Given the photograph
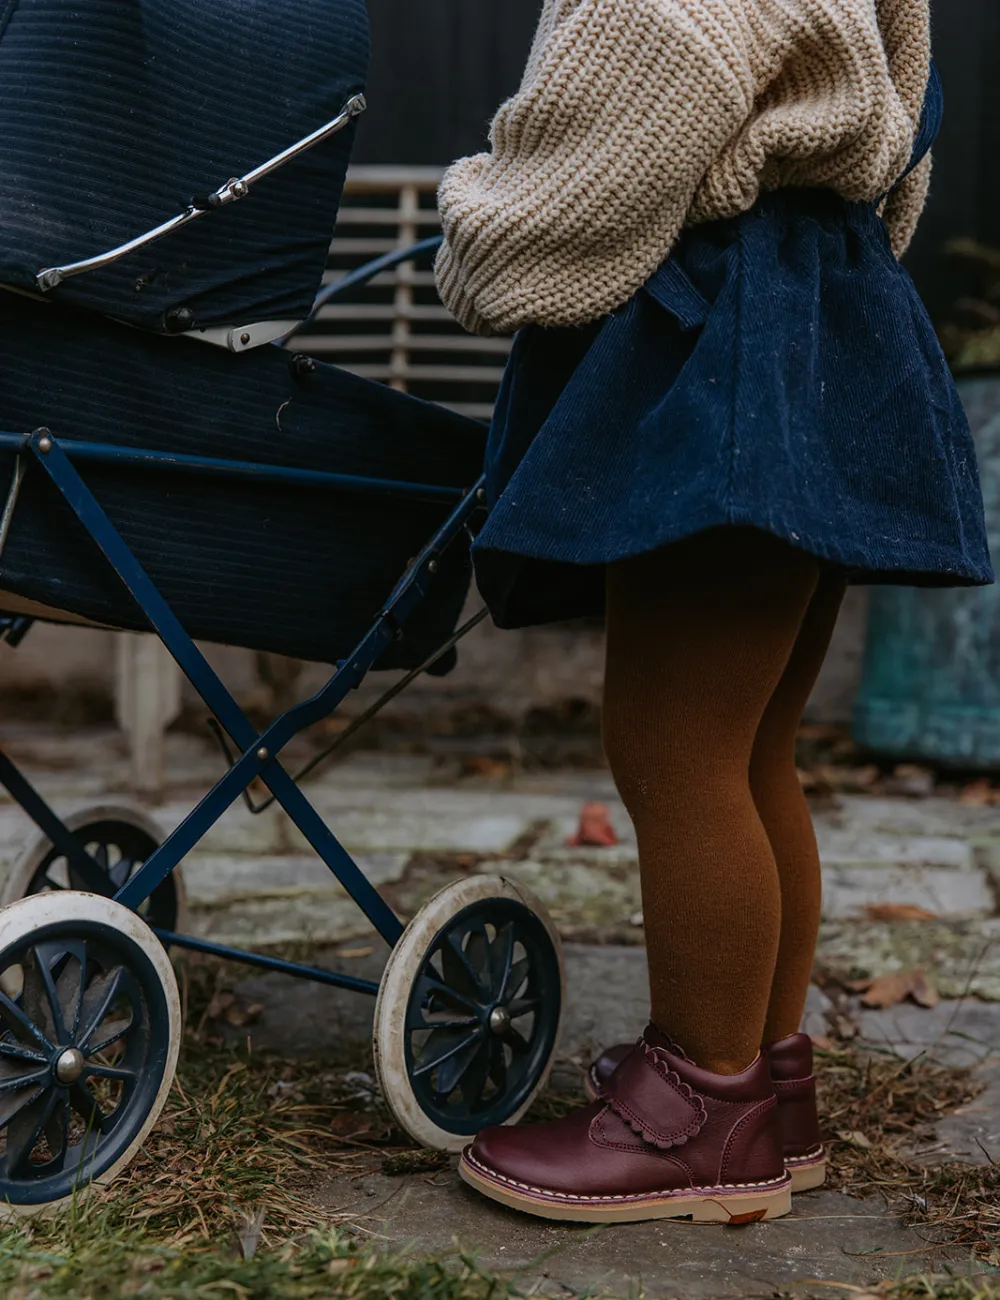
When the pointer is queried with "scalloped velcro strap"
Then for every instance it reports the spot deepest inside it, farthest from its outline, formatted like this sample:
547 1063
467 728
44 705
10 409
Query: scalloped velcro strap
654 1101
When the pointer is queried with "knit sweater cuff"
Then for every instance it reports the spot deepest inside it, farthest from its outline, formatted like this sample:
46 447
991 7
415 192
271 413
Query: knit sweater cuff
451 290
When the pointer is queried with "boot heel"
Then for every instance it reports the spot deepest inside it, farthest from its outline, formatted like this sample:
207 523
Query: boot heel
807 1174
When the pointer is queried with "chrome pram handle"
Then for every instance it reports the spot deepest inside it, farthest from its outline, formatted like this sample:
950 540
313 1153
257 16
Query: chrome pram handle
233 190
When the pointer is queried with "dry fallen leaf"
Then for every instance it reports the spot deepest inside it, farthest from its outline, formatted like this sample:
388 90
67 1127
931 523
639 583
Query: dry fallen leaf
350 953
823 1043
910 781
595 829
898 912
847 778
483 765
855 1138
741 1220
892 989
978 794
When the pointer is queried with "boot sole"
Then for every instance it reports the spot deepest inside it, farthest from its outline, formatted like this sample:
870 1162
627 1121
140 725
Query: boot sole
808 1172
705 1205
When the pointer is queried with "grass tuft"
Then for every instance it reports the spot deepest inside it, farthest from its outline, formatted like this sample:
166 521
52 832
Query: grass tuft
878 1113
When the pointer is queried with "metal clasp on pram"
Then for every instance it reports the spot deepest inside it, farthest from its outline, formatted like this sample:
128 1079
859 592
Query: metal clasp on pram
231 192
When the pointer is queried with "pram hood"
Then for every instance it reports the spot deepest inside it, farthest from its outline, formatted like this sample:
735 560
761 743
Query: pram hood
114 114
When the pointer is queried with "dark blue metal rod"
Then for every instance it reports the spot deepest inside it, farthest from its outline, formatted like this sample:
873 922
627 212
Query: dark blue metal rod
257 758
210 467
25 794
368 272
316 974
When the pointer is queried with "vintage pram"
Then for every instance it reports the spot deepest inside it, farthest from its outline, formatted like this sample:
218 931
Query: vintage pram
170 174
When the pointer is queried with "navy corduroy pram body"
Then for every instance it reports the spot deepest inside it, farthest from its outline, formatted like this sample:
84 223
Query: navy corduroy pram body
295 570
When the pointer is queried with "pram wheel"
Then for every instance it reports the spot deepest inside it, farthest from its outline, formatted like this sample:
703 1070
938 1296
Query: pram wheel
89 1035
119 837
468 1011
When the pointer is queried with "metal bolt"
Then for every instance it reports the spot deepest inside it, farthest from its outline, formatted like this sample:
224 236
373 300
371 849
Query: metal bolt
44 443
481 494
244 338
69 1065
302 365
499 1021
432 567
178 319
263 754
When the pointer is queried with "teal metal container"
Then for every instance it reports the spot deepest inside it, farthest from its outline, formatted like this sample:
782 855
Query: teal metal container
930 688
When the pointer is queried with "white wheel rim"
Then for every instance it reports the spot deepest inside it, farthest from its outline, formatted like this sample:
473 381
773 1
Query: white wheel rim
21 919
405 962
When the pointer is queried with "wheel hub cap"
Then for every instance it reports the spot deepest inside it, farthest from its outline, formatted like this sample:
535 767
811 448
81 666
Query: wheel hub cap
499 1020
69 1065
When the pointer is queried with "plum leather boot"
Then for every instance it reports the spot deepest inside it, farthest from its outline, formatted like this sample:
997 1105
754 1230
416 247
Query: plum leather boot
791 1064
665 1140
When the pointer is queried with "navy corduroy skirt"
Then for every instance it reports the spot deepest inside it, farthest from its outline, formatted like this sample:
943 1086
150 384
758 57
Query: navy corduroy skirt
779 372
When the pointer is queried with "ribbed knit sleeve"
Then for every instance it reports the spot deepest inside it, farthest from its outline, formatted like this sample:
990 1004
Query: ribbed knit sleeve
594 162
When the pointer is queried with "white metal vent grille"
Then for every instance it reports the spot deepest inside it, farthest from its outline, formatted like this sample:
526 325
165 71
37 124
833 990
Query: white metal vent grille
395 329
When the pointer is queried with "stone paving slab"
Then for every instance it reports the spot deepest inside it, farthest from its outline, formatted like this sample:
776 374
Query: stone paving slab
848 890
828 1238
866 847
217 881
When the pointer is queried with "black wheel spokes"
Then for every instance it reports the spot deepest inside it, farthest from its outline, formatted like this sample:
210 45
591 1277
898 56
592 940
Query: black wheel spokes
517 973
97 1032
121 871
53 979
25 1128
86 1105
11 1050
459 972
435 1005
473 1082
53 1012
501 958
118 848
498 1066
83 1047
21 1025
478 1030
56 1131
442 1047
19 1087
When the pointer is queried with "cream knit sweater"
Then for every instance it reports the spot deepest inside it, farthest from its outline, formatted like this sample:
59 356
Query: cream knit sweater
636 117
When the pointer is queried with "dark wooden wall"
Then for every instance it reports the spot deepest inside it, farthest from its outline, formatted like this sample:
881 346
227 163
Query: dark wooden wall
441 67
439 70
965 199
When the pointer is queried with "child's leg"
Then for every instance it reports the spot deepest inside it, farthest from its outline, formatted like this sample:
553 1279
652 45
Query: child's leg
699 636
785 813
